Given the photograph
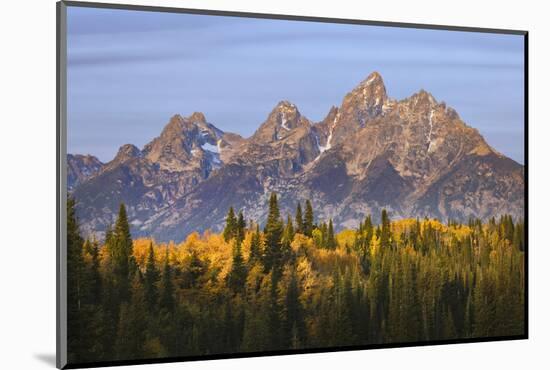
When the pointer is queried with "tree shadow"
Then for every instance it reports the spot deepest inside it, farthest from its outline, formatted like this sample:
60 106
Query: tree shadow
47 358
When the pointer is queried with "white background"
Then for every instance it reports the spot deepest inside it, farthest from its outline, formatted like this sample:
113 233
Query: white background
27 183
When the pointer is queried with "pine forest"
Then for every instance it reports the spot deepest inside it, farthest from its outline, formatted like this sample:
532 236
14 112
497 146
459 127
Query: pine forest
292 283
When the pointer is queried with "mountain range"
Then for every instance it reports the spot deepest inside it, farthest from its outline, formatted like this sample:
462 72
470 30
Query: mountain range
414 157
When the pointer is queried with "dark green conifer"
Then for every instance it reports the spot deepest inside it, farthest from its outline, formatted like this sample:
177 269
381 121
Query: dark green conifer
152 275
385 232
273 234
230 225
255 247
299 220
331 239
122 260
132 325
241 226
309 219
324 231
288 237
75 284
294 330
167 300
95 274
196 269
237 276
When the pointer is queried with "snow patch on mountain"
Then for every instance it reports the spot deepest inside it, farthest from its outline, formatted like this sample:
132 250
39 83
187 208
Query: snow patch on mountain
211 148
284 122
329 139
430 121
215 159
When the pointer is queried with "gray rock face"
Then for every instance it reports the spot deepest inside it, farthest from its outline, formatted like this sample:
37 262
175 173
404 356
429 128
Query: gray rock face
80 168
414 157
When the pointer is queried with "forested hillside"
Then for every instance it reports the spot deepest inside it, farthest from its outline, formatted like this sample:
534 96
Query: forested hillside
291 284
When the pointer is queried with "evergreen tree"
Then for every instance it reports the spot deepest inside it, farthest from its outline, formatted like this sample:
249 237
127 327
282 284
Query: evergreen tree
256 335
152 275
340 321
449 331
385 232
289 229
94 310
241 226
230 225
167 300
196 269
273 233
233 324
294 329
93 278
237 277
83 294
109 235
132 325
274 314
255 247
299 219
324 234
75 285
288 237
415 234
110 319
308 221
331 240
368 227
122 260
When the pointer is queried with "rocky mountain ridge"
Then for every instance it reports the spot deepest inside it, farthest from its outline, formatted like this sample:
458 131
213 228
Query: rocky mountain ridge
80 168
414 157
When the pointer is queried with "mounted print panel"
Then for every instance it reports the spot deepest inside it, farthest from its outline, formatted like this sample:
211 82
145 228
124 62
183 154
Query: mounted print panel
237 184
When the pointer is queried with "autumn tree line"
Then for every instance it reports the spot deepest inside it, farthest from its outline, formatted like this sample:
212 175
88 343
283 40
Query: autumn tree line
293 283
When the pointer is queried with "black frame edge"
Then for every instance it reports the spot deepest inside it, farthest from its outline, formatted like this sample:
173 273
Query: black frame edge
61 199
226 356
526 176
289 17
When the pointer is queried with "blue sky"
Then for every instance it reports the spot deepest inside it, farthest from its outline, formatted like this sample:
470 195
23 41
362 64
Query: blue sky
130 71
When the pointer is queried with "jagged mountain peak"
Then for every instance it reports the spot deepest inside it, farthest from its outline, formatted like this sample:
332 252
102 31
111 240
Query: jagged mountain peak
173 128
285 105
197 117
422 100
177 147
281 123
80 168
372 92
174 122
331 115
126 152
84 157
178 125
367 101
286 114
193 127
374 79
